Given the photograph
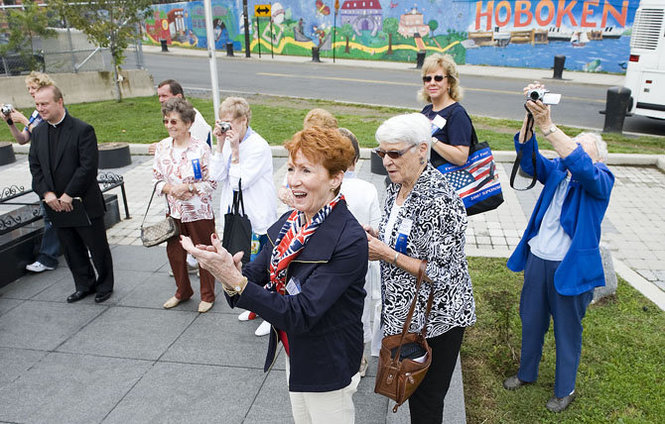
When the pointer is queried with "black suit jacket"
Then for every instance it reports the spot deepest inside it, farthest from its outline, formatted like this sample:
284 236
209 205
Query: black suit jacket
76 162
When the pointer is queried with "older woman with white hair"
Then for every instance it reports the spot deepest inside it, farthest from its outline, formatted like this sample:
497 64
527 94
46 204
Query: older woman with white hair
559 251
423 218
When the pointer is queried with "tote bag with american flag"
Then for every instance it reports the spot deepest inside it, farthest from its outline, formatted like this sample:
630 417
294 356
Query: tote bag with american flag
476 182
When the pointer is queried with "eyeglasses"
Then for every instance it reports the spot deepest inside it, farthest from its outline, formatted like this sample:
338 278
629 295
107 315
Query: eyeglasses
172 121
437 78
392 154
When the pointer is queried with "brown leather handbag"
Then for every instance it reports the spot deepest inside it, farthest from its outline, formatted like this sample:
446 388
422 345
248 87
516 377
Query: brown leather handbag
398 374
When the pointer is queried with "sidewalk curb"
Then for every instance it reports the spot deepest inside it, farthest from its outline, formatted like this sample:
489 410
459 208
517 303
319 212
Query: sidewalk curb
526 74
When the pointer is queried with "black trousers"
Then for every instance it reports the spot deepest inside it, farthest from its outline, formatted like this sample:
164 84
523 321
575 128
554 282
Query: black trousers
426 403
76 242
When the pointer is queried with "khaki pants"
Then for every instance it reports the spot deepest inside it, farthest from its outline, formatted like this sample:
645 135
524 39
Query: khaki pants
334 407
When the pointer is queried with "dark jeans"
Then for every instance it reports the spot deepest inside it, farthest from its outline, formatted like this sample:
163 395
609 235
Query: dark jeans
50 247
426 403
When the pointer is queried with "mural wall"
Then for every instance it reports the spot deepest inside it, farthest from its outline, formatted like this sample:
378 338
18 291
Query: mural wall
594 35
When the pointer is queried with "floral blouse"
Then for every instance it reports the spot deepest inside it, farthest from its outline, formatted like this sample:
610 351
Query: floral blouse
172 166
435 220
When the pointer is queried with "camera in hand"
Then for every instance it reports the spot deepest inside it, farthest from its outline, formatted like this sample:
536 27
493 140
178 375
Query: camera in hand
7 110
224 126
544 96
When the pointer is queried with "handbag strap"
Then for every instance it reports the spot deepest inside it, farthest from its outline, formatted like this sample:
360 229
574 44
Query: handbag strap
238 202
407 323
518 159
168 207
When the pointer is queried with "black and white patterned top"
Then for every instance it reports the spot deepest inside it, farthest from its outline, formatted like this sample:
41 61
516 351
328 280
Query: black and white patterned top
437 234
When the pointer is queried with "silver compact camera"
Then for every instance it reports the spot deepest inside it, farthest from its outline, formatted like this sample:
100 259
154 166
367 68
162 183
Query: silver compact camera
544 96
7 109
224 126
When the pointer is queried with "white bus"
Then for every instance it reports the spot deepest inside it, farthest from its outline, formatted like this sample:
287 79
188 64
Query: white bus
645 75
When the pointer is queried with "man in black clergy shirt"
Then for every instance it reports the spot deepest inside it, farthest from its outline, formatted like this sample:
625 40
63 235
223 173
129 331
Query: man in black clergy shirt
63 162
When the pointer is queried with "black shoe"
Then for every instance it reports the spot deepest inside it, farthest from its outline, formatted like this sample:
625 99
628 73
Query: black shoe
77 295
102 297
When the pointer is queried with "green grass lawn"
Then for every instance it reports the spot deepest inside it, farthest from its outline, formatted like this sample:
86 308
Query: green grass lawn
621 378
138 120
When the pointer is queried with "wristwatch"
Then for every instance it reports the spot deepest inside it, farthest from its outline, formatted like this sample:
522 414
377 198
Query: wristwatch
434 140
191 188
551 130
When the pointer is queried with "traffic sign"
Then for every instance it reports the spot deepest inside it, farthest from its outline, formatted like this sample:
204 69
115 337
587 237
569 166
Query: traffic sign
262 10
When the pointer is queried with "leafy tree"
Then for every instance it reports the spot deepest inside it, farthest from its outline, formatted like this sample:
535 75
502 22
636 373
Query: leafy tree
347 31
433 25
390 26
24 26
108 23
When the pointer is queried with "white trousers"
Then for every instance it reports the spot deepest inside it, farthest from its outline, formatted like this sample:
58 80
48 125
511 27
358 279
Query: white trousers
334 407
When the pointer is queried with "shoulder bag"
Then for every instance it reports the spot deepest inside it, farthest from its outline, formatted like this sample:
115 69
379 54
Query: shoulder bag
405 358
476 182
237 228
165 229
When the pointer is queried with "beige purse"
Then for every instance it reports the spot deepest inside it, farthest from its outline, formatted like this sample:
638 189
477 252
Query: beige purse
160 232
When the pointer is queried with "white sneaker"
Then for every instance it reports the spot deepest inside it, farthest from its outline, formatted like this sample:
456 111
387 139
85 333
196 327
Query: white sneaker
263 330
191 261
37 266
247 316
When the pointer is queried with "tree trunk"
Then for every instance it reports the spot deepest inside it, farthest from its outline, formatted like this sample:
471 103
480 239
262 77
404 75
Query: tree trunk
347 45
390 44
116 80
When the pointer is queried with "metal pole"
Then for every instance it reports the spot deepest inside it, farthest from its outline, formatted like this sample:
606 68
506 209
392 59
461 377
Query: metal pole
258 35
272 54
211 56
334 34
246 23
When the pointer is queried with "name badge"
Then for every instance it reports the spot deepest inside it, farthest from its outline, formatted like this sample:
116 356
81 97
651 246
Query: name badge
196 165
293 286
437 123
403 233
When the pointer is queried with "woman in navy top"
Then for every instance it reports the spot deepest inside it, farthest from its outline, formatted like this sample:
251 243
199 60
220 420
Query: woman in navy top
451 125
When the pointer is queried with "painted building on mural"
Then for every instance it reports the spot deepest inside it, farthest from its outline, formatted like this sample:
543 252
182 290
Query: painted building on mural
594 35
362 15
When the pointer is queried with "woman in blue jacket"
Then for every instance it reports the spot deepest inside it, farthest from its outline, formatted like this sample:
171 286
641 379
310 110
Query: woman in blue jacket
308 280
559 250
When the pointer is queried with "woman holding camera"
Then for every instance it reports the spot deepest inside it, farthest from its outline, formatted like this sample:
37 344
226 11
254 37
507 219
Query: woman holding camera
243 159
451 125
182 174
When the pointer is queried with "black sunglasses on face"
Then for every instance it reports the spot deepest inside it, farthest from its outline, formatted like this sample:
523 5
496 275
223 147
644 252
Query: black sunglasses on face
437 78
392 154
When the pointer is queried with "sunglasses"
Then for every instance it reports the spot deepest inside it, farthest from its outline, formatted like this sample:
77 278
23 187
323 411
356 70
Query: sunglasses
392 154
172 121
437 78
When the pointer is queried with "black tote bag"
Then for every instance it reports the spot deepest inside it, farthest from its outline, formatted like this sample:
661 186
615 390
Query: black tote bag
237 227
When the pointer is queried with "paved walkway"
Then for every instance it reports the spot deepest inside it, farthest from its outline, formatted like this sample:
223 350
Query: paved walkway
150 365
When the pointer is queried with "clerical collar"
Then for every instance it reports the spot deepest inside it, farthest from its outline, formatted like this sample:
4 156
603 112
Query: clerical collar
57 124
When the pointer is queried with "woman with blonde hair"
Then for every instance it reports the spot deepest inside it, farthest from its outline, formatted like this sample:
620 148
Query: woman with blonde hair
451 125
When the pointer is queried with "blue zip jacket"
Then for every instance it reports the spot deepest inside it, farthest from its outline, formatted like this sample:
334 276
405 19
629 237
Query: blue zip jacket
584 206
323 322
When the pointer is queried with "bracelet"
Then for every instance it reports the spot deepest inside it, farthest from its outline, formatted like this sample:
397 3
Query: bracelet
395 260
